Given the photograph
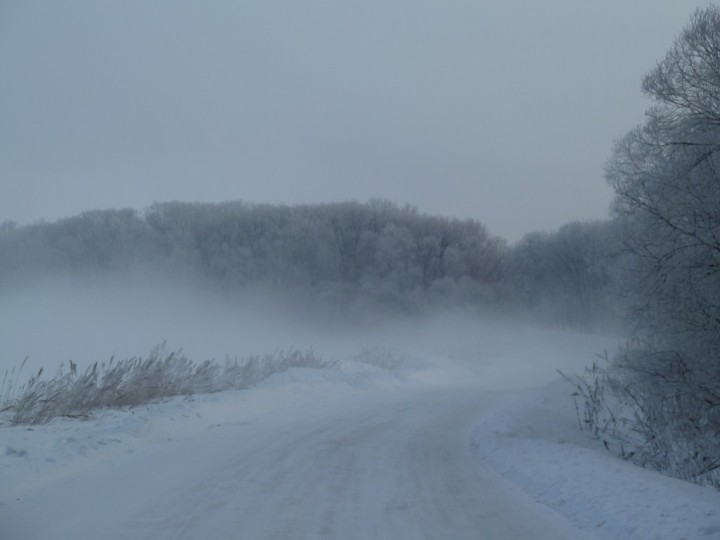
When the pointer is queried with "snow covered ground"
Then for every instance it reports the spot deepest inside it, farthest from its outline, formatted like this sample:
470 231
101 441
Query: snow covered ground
445 428
532 439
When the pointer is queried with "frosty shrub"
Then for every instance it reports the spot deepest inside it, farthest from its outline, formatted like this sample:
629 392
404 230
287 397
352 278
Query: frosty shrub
599 411
648 407
676 410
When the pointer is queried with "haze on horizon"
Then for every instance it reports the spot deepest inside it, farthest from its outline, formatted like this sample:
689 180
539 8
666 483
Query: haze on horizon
499 112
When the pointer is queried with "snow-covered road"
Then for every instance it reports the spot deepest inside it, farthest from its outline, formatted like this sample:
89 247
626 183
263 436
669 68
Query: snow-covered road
445 431
397 466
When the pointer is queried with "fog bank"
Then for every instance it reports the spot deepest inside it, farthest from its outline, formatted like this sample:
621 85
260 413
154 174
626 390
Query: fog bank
93 320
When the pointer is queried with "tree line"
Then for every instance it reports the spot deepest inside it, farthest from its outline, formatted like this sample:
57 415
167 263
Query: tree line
379 251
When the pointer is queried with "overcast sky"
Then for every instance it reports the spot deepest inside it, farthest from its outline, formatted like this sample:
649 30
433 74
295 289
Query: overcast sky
503 111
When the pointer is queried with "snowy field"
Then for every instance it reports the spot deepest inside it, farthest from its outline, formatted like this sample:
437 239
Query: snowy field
453 426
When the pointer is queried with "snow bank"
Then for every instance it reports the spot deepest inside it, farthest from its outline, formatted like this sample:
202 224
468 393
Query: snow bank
532 439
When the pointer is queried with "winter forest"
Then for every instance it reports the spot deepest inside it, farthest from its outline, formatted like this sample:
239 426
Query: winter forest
649 273
375 254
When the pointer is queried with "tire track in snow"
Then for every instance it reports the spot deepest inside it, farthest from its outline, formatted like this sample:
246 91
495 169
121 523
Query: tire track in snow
398 467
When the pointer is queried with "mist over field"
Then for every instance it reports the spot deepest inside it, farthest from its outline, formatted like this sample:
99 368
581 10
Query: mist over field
235 279
93 320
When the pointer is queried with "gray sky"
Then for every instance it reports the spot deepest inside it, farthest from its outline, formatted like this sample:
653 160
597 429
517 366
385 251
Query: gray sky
499 110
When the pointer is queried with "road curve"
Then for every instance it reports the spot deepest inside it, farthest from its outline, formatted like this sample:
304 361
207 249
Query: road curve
395 468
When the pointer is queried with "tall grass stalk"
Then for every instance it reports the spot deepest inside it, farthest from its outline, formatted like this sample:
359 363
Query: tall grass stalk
135 381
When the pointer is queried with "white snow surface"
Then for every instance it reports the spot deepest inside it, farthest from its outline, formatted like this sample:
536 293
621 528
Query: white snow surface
532 439
465 432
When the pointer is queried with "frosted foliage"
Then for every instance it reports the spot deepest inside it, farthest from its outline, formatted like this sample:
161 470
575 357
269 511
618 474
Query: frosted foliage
341 251
665 174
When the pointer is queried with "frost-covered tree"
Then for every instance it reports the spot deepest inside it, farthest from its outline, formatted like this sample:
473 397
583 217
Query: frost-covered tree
666 175
568 276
